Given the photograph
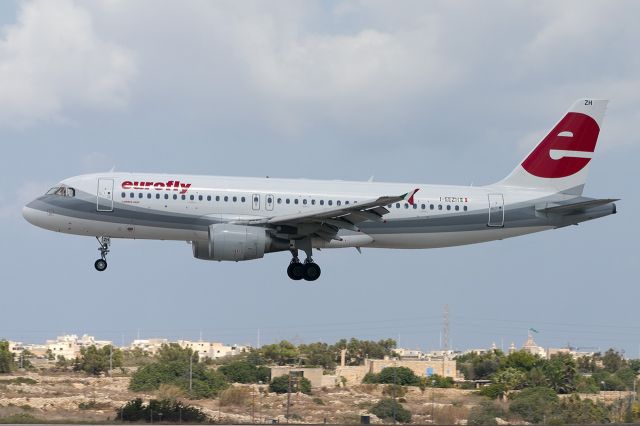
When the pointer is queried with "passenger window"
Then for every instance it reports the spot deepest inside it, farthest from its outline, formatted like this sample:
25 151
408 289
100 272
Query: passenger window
406 205
338 203
346 202
166 196
149 195
208 197
313 202
424 207
448 207
255 199
464 208
175 197
124 195
397 205
235 199
330 202
226 198
439 206
139 194
415 206
457 208
217 198
304 201
279 200
288 201
269 200
295 201
157 196
243 199
131 195
184 197
191 197
199 197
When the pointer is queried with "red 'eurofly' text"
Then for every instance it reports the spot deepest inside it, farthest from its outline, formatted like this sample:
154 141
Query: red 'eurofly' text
171 185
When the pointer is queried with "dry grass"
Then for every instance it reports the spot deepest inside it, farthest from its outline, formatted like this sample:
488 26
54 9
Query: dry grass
236 396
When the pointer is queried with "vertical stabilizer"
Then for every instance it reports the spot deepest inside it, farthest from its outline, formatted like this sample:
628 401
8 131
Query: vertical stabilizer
560 162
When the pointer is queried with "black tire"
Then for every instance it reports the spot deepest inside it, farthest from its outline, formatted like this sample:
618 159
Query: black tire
311 271
100 265
295 271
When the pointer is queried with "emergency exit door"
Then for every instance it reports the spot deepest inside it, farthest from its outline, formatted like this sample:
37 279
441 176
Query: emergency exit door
496 210
104 201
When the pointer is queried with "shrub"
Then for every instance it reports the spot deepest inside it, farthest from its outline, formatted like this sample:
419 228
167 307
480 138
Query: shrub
318 401
485 414
235 395
21 418
394 391
493 391
173 412
386 408
244 372
534 404
281 385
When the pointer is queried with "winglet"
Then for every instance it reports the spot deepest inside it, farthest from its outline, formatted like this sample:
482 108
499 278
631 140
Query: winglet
409 196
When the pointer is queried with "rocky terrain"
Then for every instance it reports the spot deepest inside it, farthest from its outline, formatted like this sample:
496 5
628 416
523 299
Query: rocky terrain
77 397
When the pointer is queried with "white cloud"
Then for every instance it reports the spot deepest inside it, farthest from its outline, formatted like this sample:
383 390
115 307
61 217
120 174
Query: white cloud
52 60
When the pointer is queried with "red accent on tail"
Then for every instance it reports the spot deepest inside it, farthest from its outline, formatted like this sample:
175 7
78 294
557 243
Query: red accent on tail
585 132
411 197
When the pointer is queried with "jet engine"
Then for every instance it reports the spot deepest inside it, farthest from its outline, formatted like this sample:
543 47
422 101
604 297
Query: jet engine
232 242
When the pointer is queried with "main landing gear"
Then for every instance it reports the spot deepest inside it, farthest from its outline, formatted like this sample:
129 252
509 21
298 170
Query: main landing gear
309 270
101 264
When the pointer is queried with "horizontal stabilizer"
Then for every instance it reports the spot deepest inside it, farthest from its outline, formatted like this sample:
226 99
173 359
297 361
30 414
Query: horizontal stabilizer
576 207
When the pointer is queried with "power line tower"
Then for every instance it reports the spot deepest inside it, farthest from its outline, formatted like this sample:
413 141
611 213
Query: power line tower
445 328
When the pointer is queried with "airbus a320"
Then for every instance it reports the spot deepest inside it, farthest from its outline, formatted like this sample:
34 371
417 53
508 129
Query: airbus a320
243 218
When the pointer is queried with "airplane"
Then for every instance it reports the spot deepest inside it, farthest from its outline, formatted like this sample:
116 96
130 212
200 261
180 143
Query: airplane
243 218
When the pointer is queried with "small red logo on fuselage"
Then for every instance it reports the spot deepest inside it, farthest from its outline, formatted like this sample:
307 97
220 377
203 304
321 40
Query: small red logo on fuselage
171 185
576 132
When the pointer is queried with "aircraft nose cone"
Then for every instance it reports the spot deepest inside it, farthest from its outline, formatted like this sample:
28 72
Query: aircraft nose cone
29 214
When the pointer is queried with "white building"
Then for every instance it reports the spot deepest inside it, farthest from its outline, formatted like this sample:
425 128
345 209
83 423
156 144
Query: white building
151 346
212 350
69 345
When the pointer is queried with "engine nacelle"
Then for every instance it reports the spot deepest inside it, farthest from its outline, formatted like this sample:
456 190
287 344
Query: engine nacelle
232 242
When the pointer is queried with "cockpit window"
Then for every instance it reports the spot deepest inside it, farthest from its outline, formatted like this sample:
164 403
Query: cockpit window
63 191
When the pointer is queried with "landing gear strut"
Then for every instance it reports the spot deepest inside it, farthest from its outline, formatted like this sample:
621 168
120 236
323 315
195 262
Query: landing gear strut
309 270
105 243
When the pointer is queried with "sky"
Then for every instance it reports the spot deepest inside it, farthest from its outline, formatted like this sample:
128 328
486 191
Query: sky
435 92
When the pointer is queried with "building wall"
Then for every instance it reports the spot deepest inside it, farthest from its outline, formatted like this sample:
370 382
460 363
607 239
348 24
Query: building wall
314 375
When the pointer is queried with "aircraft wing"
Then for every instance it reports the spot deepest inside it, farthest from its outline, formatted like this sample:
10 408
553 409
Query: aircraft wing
329 221
577 207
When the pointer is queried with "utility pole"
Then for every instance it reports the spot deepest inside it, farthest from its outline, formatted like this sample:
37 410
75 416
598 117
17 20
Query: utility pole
445 328
253 404
395 384
110 360
288 396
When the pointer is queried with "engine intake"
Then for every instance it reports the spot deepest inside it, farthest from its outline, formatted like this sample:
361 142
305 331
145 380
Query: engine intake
232 242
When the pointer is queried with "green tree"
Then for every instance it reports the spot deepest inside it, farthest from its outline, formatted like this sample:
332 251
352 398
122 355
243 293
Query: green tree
561 371
522 360
319 354
7 363
280 384
573 410
477 366
280 353
171 366
387 408
510 378
359 350
612 361
438 381
242 371
398 375
95 361
534 405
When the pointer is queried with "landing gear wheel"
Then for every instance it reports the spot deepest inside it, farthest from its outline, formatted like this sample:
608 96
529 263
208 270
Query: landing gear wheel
295 270
311 271
100 265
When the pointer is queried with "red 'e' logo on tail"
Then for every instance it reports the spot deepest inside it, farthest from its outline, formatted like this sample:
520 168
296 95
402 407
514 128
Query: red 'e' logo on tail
575 134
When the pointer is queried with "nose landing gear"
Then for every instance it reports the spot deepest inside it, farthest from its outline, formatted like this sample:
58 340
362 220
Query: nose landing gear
105 243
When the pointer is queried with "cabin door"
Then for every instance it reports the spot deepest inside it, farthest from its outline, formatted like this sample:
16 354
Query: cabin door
104 201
